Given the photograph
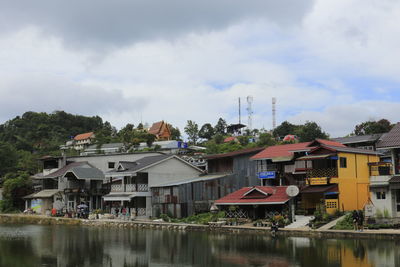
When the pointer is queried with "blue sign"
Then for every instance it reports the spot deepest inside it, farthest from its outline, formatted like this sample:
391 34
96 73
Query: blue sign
267 175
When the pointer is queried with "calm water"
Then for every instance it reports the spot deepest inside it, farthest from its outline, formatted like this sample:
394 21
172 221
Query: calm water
34 245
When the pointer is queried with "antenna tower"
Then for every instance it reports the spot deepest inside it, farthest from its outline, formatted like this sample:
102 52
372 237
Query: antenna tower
273 113
249 113
240 119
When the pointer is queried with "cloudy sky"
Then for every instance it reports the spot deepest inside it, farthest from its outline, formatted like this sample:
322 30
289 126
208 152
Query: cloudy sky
335 62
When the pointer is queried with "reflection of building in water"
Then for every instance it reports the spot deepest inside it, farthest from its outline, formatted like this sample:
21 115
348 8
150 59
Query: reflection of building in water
348 254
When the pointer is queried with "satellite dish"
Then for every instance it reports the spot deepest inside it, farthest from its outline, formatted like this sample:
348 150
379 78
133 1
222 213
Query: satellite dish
292 190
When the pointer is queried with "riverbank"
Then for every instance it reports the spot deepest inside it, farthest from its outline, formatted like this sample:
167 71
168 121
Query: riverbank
301 232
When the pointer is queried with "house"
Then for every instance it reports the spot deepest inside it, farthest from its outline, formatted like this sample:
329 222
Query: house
255 202
131 181
66 187
83 140
161 130
385 176
325 171
226 173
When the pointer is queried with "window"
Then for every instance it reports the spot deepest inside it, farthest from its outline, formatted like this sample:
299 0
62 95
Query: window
381 195
111 165
343 162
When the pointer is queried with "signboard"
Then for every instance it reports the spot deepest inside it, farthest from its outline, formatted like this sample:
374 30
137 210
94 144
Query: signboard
318 181
267 175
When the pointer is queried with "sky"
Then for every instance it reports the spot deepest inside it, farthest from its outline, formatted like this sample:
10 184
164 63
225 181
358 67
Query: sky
334 62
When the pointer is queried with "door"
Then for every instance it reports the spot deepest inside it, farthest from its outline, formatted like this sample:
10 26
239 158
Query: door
397 204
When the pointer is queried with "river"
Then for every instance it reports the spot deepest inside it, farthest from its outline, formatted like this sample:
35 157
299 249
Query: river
62 246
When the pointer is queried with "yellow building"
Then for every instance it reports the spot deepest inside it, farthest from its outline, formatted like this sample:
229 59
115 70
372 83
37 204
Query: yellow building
338 177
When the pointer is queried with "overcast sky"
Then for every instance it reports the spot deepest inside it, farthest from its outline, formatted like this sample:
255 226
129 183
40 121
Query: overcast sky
335 62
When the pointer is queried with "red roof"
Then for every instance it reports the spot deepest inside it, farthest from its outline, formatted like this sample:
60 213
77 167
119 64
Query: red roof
288 150
280 151
329 142
230 139
83 136
235 153
261 195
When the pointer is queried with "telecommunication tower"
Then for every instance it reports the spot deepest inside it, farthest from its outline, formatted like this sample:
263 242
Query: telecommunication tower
249 113
273 113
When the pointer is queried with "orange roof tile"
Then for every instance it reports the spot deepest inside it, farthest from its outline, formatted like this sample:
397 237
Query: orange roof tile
156 127
83 136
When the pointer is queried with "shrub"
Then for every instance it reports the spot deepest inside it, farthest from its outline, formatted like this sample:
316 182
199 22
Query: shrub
379 214
345 224
386 213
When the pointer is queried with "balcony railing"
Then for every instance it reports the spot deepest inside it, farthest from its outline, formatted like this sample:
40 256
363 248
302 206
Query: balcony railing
129 188
380 169
316 173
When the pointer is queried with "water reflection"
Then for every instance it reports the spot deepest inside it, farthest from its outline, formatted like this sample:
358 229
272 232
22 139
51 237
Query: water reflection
63 246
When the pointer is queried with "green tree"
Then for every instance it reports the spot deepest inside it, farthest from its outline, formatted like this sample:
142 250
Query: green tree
220 127
243 140
266 139
15 187
8 158
206 131
310 131
284 129
175 133
373 127
192 130
218 138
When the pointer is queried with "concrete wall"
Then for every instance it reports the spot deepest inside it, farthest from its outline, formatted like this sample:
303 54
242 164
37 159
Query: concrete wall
101 161
383 204
171 170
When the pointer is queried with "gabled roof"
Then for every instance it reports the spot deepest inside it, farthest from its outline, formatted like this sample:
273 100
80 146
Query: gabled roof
358 139
158 127
280 151
235 153
46 193
88 173
60 172
326 142
143 163
391 139
273 195
83 136
351 150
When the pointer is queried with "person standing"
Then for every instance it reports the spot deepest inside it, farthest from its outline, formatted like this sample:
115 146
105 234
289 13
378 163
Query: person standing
355 220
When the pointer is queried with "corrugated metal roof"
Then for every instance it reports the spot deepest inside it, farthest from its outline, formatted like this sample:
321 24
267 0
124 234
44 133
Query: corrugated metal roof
63 170
235 153
43 194
192 180
87 173
358 138
391 139
280 151
273 195
354 150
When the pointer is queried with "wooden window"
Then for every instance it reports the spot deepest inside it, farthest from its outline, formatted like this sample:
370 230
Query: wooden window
381 195
343 162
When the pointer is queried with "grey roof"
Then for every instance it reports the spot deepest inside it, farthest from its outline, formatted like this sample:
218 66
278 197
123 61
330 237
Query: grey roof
354 150
196 179
43 194
134 166
61 171
358 139
87 173
391 139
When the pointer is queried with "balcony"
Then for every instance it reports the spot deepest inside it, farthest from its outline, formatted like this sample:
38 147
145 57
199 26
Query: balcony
318 173
129 188
380 169
322 176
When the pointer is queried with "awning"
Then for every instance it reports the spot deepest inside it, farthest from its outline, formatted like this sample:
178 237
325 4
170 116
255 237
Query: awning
118 197
282 159
311 157
47 193
320 189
